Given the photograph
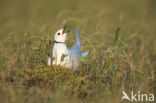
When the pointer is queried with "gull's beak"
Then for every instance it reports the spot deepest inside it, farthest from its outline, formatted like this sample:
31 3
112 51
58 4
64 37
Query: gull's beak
65 30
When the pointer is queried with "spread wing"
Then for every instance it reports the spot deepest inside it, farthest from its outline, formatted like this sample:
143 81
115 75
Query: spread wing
75 50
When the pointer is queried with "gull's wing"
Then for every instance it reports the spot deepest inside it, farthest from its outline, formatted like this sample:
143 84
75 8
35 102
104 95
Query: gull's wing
75 50
77 45
84 54
78 41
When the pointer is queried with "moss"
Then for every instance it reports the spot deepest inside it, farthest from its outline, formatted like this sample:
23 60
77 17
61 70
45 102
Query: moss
43 76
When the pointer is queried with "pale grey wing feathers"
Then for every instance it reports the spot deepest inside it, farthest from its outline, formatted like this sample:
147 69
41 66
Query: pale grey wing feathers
77 45
75 50
84 54
78 41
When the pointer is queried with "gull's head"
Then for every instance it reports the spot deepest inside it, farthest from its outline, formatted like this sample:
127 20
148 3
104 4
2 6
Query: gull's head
60 35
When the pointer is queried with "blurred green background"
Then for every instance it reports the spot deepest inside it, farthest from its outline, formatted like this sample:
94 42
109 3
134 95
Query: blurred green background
132 62
89 15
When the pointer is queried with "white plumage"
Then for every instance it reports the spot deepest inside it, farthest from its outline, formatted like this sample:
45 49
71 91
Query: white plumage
63 56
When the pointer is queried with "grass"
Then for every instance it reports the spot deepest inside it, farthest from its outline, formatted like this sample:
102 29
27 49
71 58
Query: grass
117 60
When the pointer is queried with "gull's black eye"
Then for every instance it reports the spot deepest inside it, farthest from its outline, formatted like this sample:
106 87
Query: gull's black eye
58 34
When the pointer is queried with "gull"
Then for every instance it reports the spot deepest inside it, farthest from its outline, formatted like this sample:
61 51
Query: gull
63 56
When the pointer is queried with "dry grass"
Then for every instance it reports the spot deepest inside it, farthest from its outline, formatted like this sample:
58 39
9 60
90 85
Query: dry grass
128 64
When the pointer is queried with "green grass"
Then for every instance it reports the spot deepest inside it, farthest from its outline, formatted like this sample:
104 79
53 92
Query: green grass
117 60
